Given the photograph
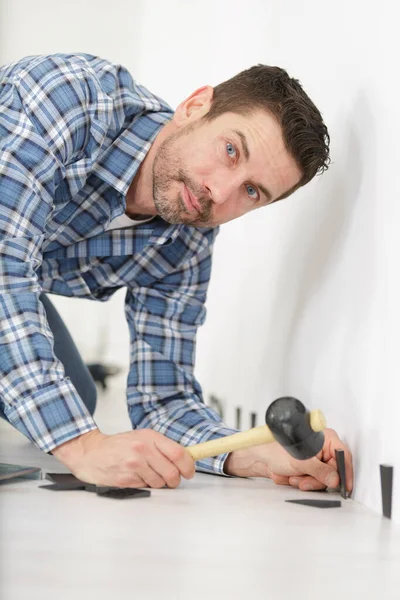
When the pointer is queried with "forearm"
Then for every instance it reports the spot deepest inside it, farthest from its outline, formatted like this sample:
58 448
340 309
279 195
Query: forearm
50 416
163 393
35 395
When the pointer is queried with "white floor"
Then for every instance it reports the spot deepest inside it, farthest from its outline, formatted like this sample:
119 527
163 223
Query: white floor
212 538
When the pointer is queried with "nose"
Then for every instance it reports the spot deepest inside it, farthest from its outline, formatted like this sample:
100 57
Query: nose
222 187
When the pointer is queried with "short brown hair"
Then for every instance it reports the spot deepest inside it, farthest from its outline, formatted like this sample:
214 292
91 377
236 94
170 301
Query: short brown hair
270 88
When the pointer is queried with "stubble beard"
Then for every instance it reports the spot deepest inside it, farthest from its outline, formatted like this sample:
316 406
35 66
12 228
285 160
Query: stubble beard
167 170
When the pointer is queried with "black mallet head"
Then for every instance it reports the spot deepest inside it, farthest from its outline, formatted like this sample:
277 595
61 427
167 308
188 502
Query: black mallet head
291 426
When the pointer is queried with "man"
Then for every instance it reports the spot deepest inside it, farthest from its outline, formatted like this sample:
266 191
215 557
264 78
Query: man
103 186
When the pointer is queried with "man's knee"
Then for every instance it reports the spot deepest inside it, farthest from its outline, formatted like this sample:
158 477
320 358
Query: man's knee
89 394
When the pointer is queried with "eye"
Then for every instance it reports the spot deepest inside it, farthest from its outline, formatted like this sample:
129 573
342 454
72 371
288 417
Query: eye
231 150
252 191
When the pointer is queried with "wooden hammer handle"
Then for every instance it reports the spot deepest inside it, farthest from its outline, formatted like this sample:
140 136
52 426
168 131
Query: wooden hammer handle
246 439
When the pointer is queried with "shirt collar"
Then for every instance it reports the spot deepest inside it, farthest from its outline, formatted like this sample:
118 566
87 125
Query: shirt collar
120 162
163 232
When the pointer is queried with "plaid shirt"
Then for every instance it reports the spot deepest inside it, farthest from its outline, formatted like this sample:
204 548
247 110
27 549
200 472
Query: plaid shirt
74 130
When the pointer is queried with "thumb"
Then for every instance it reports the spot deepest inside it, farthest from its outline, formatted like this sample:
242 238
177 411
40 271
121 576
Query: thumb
322 472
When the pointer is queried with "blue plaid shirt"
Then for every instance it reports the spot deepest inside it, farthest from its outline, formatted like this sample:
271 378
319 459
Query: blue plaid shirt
74 130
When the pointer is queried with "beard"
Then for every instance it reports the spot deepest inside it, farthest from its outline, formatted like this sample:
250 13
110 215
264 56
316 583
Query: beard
168 170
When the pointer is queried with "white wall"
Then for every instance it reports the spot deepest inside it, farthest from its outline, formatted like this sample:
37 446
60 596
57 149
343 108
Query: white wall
305 294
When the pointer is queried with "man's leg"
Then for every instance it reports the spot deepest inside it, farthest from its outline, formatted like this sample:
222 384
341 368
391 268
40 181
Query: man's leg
67 353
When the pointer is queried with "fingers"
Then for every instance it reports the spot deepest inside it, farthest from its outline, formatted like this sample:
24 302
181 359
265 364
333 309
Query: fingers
127 480
137 482
153 470
167 472
335 443
279 479
135 473
320 475
157 461
316 473
133 459
153 479
323 473
349 471
303 482
306 483
177 455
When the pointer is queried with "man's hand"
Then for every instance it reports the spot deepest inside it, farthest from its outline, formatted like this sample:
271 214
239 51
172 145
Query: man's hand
141 458
271 460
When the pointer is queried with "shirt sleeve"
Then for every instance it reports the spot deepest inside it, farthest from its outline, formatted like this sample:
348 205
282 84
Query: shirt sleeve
49 117
162 392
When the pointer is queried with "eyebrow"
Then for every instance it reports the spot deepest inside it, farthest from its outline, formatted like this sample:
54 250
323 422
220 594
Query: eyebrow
246 153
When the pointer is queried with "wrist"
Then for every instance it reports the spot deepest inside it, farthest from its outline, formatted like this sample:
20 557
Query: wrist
236 463
72 452
248 462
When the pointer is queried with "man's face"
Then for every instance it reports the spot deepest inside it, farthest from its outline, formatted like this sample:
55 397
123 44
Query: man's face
208 173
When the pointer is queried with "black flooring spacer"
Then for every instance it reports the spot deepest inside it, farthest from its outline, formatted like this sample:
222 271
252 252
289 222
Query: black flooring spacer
62 482
341 465
318 503
387 489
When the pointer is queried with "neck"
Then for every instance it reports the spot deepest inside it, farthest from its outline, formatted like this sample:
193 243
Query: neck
139 198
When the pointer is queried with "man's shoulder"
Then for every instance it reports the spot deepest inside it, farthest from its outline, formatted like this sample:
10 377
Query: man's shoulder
90 74
47 69
51 62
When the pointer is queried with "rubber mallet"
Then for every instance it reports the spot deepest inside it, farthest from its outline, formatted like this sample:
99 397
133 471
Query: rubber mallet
287 421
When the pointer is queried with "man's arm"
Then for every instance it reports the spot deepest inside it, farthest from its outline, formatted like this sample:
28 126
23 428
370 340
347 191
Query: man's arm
163 393
53 113
163 318
45 123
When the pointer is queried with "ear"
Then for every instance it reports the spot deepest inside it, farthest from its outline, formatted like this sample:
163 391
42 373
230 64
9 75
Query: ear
194 107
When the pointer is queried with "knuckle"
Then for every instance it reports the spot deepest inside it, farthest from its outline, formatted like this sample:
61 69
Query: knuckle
150 434
133 462
138 447
172 478
177 453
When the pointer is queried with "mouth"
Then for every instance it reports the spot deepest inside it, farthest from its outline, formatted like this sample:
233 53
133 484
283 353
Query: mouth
190 200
